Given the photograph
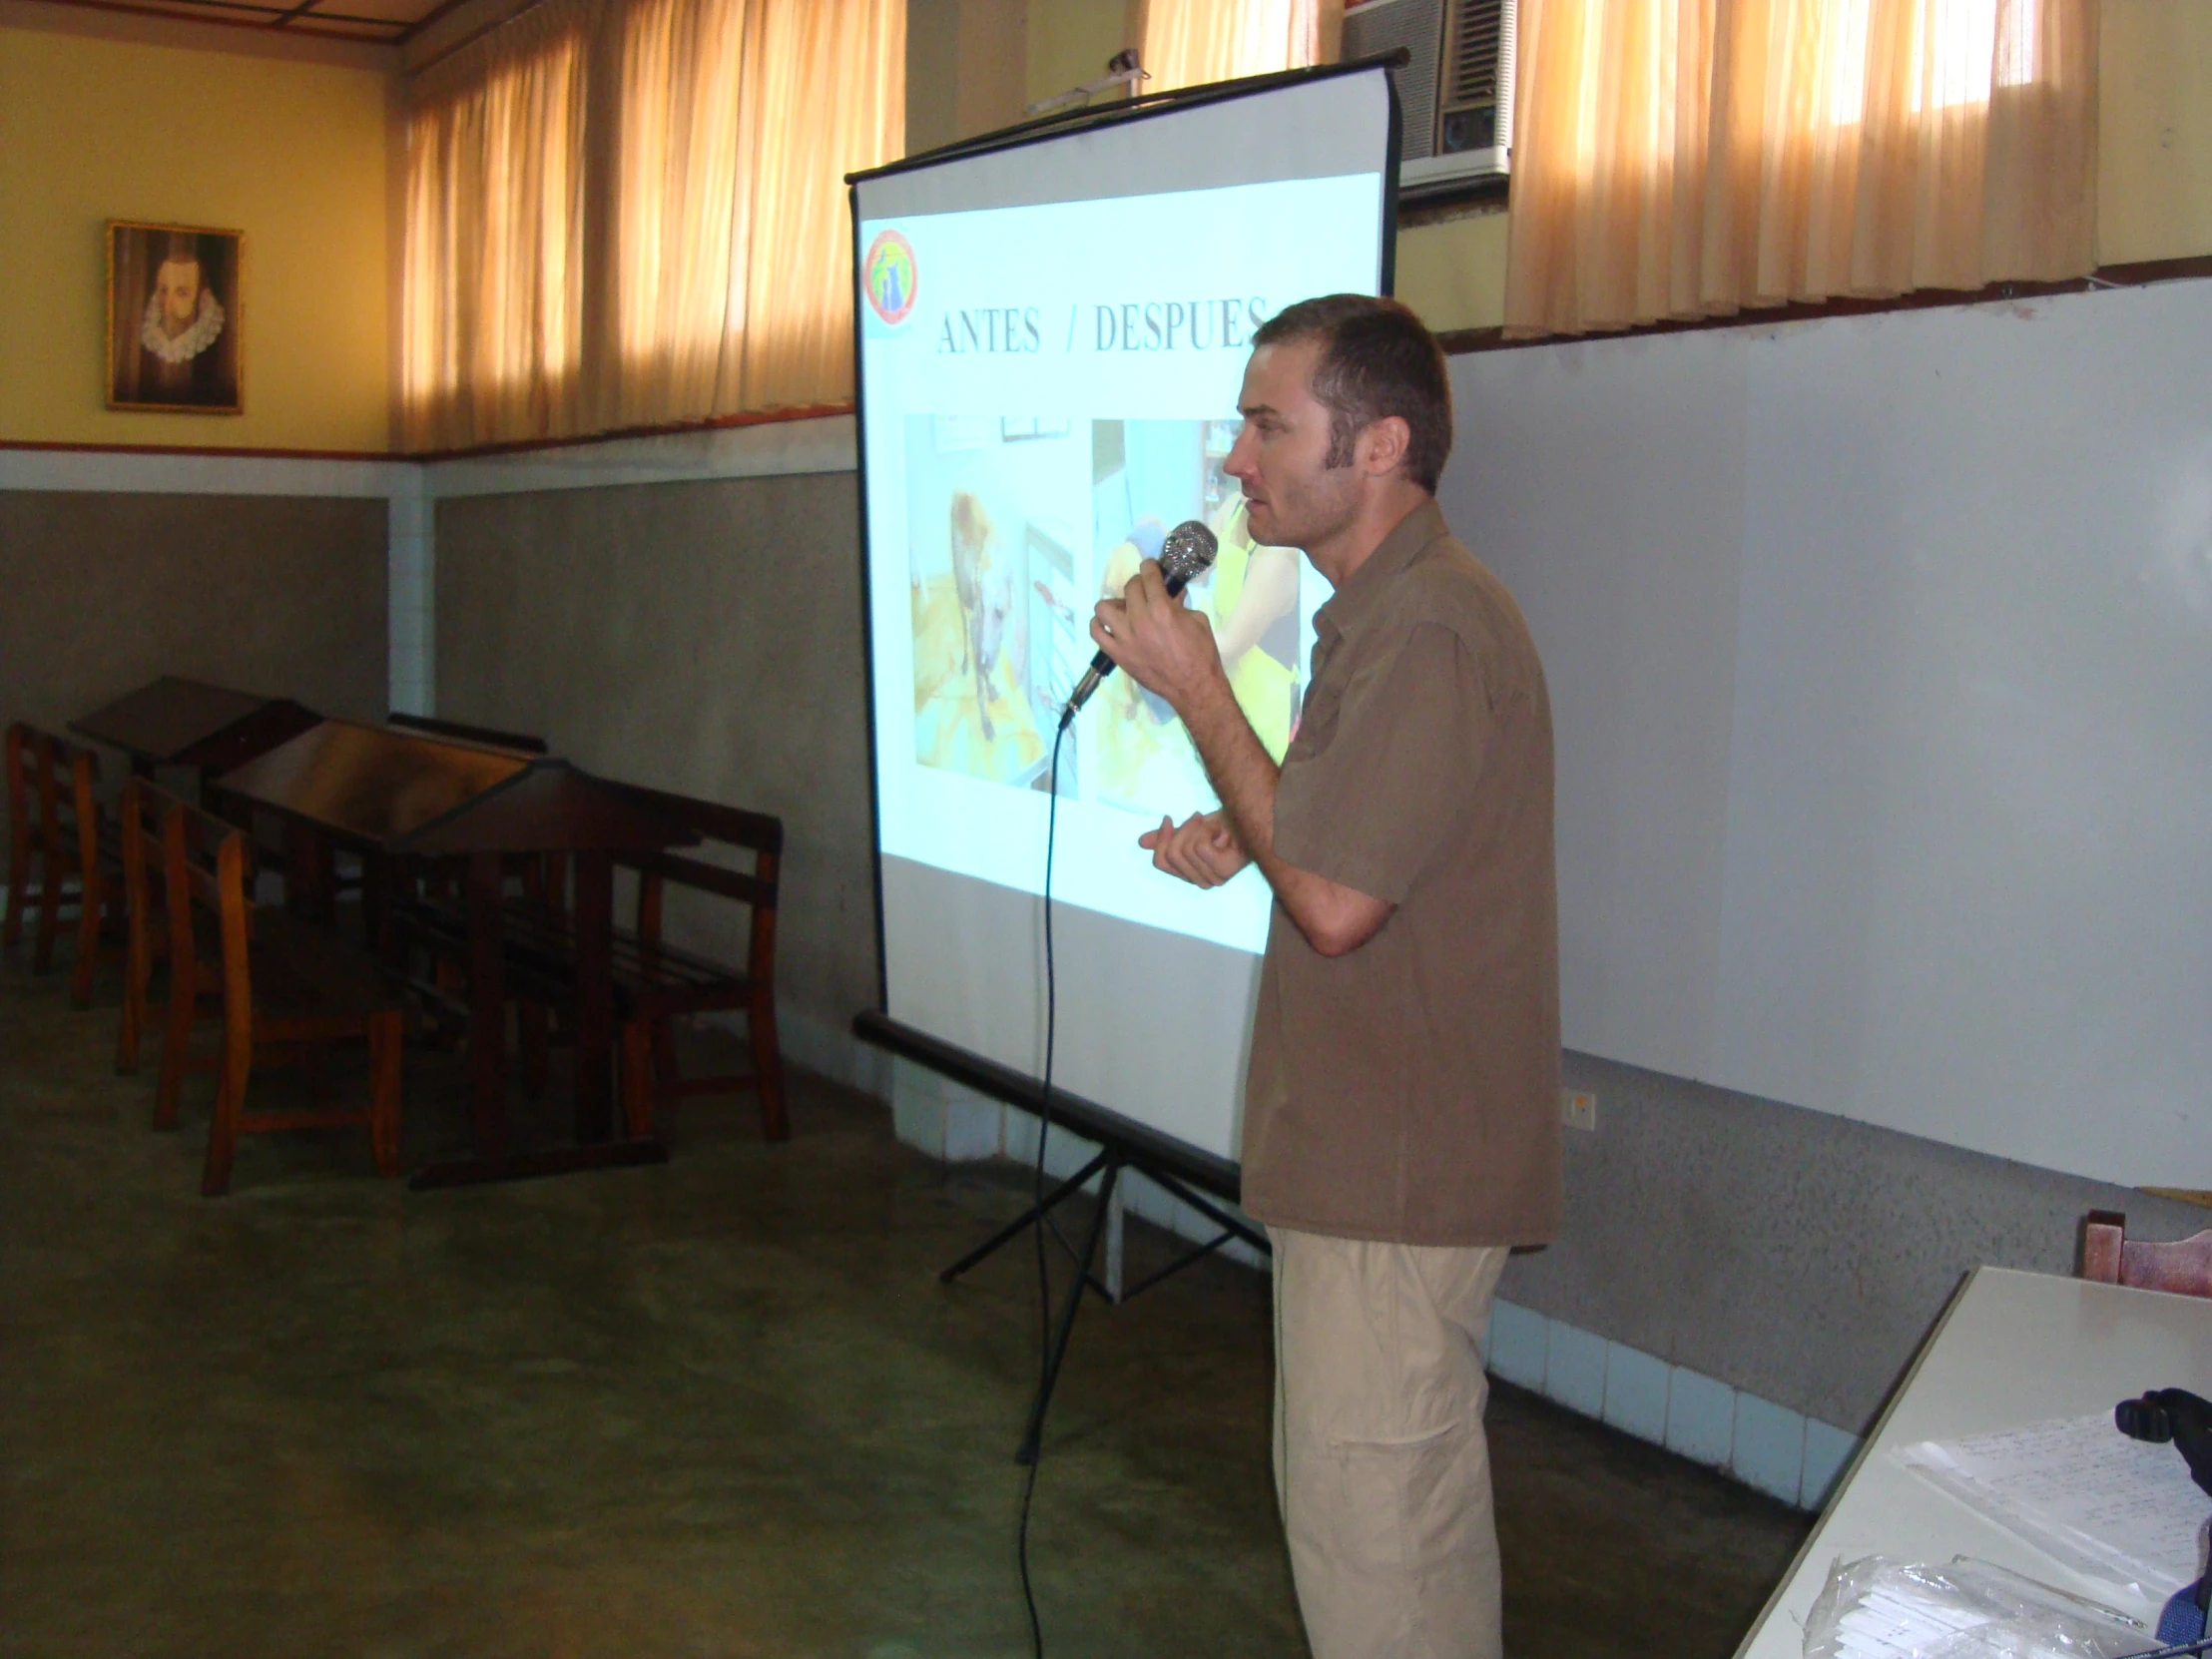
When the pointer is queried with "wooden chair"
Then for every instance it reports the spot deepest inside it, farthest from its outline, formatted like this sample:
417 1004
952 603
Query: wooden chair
54 816
22 840
2107 1254
660 981
98 851
143 812
195 977
286 992
145 917
654 981
137 812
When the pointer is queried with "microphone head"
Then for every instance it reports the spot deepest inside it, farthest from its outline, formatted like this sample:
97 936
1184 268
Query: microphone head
1188 553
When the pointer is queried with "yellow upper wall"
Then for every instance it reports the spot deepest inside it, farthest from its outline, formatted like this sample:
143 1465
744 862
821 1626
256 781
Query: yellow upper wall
293 153
1069 41
2154 110
1453 273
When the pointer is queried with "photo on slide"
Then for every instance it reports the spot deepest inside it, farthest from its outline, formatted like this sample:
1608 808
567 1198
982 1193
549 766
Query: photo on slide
1146 477
1001 631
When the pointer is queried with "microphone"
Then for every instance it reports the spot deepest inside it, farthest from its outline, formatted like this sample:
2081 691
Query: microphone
1186 554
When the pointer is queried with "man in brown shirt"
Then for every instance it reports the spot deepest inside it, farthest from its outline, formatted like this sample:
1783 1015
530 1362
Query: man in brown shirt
1401 1106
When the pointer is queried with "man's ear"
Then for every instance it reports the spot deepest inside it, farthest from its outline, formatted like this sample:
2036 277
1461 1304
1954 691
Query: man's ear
1382 445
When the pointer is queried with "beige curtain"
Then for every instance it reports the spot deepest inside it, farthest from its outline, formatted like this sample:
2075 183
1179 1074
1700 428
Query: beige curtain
493 304
831 100
1686 158
1187 43
707 245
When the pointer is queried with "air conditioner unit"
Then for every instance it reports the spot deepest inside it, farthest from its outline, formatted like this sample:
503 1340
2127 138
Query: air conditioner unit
1456 93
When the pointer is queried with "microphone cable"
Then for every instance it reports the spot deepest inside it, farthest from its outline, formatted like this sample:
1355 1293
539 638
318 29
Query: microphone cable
1036 1186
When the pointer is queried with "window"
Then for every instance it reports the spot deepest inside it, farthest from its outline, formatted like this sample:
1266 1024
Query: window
625 212
1685 158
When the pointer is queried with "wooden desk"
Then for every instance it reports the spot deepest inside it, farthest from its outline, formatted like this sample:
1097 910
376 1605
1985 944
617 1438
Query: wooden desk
2013 1348
186 722
393 795
547 806
362 788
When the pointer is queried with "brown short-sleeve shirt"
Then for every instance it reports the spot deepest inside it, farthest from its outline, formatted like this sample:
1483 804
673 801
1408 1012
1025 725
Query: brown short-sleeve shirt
1408 1090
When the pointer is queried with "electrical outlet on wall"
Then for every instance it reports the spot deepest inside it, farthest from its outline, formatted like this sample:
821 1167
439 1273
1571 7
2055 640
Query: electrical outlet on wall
1577 1109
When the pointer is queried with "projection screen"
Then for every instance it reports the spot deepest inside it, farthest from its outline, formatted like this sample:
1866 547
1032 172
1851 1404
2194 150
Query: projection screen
1052 330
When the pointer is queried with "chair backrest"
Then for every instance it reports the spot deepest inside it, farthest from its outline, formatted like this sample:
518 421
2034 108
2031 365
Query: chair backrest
20 811
142 818
138 813
2183 1267
208 867
84 804
53 793
756 832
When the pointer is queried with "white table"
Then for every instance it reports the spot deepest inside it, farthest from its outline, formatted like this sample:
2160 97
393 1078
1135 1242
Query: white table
2013 1348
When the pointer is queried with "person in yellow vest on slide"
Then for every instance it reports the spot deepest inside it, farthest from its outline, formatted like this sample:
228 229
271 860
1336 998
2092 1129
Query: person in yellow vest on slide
1254 608
1144 756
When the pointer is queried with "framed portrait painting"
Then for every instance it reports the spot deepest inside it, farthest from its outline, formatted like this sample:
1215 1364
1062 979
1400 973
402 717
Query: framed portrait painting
176 318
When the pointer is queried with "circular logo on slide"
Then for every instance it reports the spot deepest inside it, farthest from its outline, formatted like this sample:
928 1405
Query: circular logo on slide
889 273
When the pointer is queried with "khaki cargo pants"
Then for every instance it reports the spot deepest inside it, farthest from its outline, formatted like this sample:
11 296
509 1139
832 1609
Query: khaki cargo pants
1380 1466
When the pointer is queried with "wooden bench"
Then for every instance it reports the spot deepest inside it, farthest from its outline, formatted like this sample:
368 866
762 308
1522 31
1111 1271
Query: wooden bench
655 982
286 990
54 818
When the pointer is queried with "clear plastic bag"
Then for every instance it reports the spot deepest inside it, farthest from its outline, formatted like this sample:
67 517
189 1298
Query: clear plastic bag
1876 1608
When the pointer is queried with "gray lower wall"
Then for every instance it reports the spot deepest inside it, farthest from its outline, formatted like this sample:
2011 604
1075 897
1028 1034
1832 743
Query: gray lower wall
100 593
705 637
1796 1256
696 637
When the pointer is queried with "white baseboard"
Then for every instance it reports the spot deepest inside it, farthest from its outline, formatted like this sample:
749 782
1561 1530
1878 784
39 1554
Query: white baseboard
1766 1446
831 1051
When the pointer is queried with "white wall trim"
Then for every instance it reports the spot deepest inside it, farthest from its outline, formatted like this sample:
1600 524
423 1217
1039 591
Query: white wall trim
831 1052
827 443
1766 1446
1769 1447
132 472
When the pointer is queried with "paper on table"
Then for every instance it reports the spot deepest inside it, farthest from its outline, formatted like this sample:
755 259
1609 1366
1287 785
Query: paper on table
1884 1625
2117 1510
1876 1608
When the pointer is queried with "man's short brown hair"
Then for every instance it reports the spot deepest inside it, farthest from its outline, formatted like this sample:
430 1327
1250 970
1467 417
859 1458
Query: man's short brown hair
1377 360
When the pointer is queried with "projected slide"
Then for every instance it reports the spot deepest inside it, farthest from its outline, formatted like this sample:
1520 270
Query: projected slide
1149 475
1047 394
1052 335
998 637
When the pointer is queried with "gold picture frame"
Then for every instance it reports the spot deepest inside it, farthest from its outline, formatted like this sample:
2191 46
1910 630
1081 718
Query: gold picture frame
176 318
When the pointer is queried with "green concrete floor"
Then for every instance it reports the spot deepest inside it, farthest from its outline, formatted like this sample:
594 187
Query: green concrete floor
722 1408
